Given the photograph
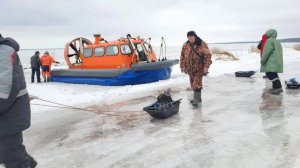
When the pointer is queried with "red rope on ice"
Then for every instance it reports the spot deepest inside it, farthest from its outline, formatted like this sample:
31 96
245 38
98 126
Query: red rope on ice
76 108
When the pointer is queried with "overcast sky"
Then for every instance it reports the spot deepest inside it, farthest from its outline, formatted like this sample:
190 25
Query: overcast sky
52 23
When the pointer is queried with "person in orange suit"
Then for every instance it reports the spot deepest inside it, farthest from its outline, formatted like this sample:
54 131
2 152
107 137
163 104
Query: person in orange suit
47 61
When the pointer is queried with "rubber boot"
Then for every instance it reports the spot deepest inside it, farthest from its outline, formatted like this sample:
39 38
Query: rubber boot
197 98
200 99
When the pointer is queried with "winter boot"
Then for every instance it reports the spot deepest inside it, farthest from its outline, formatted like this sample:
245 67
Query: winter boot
277 87
197 98
33 162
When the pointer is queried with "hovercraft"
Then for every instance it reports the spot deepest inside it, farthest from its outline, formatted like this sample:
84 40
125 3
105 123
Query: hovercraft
127 61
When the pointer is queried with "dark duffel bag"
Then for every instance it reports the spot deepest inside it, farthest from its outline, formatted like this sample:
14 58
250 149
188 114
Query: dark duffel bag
244 73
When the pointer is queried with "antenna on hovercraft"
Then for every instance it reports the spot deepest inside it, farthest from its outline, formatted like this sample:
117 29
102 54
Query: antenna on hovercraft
163 50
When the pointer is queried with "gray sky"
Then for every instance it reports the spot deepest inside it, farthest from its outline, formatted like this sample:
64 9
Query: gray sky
52 23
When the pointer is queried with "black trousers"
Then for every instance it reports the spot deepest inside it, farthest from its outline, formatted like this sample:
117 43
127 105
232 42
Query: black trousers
38 74
273 76
13 153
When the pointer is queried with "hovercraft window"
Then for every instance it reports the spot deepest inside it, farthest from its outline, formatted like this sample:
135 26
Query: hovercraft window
142 54
99 51
125 49
112 50
87 52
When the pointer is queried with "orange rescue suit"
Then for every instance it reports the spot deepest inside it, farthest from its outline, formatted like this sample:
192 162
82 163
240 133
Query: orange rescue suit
47 60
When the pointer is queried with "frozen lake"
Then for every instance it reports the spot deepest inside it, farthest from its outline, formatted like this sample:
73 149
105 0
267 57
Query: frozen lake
237 125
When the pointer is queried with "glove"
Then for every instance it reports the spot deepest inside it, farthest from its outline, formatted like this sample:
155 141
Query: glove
32 98
205 71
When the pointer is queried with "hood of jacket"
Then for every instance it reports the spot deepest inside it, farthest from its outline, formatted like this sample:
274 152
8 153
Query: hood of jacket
272 33
10 42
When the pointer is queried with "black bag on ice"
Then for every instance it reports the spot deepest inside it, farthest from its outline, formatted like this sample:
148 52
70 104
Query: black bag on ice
164 107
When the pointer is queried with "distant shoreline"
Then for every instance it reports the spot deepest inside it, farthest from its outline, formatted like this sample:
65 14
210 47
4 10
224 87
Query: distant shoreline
286 40
41 48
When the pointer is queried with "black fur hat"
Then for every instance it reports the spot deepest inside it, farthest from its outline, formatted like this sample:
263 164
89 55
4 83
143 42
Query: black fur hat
192 33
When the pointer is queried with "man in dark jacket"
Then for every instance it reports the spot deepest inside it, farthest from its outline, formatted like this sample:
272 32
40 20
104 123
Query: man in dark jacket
35 67
14 107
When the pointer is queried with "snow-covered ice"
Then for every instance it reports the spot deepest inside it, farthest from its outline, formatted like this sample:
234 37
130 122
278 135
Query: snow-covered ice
237 125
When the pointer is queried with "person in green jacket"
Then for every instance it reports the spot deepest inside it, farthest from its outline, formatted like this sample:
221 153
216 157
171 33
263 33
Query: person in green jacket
272 61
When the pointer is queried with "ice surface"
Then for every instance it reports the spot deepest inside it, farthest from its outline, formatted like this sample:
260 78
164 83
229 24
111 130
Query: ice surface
238 124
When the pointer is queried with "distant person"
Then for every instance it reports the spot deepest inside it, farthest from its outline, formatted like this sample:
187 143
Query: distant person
14 107
195 61
262 43
47 61
261 46
35 67
272 61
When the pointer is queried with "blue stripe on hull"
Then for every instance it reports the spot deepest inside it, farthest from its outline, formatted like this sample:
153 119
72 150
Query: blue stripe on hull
128 78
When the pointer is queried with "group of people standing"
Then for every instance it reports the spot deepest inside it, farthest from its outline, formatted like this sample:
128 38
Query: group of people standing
41 63
195 61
